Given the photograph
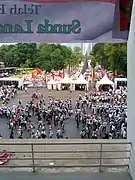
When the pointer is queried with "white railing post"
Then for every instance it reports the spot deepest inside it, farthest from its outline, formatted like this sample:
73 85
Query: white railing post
33 160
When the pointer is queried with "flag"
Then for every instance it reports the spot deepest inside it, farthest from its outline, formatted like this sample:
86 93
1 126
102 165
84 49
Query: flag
125 14
116 74
44 77
94 76
60 75
33 76
102 74
38 71
92 72
53 75
93 23
108 75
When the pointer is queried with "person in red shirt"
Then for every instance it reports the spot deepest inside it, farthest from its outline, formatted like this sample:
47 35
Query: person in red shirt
37 106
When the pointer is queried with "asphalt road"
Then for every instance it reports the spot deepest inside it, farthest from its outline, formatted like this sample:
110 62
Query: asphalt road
70 125
66 176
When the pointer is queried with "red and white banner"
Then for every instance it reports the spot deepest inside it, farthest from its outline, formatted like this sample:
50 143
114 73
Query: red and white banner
59 21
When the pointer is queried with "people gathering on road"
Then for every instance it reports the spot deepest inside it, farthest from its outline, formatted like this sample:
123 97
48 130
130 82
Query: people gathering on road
97 115
108 117
7 93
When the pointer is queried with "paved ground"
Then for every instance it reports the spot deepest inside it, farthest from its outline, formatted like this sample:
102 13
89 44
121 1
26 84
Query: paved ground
66 176
70 125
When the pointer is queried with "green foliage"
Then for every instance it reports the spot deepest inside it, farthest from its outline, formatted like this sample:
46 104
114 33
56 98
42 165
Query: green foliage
45 56
111 56
93 62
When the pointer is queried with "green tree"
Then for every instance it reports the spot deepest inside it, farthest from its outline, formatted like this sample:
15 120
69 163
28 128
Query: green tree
111 56
97 54
66 53
93 62
57 59
7 55
28 63
23 52
43 59
44 56
79 57
117 57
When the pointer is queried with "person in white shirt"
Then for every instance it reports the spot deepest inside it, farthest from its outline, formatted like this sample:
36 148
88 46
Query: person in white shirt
43 134
1 136
26 89
37 135
50 134
124 134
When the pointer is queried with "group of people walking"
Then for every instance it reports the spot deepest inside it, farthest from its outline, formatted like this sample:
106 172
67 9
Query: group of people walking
97 115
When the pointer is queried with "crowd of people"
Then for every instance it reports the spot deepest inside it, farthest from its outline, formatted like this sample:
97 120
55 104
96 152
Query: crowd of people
97 115
108 117
7 93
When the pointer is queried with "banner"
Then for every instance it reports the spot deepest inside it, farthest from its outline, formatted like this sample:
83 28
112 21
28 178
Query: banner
59 21
122 18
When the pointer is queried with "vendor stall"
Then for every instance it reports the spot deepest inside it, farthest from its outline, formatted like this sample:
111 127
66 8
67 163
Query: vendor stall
81 83
67 83
105 84
51 84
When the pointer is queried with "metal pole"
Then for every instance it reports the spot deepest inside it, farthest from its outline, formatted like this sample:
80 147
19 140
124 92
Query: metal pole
33 161
100 160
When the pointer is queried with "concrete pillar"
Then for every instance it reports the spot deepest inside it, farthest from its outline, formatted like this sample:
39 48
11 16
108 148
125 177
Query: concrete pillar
131 90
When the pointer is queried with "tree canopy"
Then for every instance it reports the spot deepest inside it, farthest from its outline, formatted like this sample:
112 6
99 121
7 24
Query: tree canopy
111 56
45 56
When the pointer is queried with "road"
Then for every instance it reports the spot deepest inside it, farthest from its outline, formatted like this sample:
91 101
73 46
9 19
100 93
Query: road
66 176
70 125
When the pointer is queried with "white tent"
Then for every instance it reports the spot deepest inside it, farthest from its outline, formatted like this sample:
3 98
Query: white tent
105 81
19 80
82 81
66 80
27 82
76 75
57 85
51 83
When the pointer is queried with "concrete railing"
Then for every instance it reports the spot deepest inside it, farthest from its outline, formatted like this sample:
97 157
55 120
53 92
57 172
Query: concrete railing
76 153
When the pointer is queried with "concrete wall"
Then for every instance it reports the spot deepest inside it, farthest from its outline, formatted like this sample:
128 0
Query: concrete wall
131 90
131 79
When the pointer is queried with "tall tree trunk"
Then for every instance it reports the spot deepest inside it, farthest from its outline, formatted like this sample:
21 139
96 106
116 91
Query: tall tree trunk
69 69
63 72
